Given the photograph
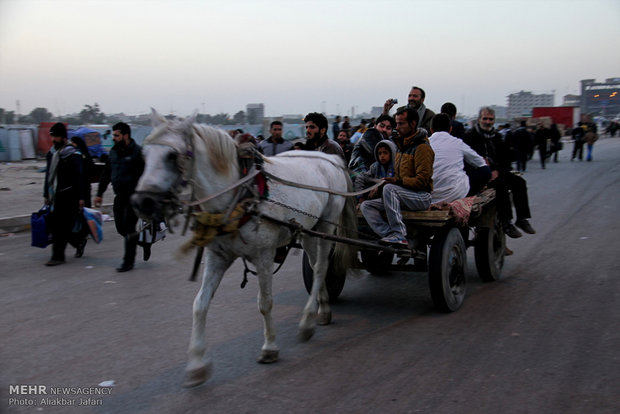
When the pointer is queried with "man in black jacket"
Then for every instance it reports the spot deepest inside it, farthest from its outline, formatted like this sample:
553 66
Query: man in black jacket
64 192
363 154
486 141
123 168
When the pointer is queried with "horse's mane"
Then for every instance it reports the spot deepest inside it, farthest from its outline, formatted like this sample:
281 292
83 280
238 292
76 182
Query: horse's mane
221 148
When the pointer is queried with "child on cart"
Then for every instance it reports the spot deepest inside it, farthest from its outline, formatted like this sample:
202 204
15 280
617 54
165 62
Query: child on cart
381 168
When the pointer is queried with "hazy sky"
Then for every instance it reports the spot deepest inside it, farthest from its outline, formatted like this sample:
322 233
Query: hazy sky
298 56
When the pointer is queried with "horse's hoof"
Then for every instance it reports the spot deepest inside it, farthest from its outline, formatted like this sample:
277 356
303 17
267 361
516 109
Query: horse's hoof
197 376
305 334
268 357
324 318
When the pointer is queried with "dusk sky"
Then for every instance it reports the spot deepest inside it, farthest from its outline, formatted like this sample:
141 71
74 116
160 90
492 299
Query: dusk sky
298 56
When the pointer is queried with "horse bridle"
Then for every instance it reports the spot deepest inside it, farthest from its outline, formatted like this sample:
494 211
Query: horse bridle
184 164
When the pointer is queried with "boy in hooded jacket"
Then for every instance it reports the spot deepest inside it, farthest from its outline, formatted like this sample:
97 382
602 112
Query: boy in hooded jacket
383 167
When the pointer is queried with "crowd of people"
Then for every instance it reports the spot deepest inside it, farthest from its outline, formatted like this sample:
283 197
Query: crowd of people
424 159
67 190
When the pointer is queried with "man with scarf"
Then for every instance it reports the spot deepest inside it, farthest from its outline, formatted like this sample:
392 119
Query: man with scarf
411 186
486 141
64 192
415 101
316 135
124 168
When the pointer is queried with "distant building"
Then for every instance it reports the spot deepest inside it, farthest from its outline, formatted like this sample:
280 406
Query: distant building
376 111
600 98
501 112
521 103
571 100
293 118
254 113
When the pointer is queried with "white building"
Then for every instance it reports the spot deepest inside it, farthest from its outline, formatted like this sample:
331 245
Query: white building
521 103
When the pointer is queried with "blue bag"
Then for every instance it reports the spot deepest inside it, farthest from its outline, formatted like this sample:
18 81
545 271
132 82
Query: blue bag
94 223
39 225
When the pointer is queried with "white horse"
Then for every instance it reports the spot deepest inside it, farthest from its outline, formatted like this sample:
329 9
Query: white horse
207 157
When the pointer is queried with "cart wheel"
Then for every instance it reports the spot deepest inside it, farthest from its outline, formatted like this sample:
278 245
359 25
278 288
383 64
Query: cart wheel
489 251
376 262
333 281
446 272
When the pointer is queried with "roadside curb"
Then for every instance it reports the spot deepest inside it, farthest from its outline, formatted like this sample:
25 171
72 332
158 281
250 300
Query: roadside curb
21 223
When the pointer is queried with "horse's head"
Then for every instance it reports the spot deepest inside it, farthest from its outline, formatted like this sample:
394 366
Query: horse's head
166 155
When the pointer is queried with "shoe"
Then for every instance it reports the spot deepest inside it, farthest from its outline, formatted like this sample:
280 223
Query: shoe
525 226
53 262
79 250
511 231
396 240
124 268
147 252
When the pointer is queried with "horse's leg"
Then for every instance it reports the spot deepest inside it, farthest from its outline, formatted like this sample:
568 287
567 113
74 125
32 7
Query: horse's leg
317 251
264 266
325 313
199 366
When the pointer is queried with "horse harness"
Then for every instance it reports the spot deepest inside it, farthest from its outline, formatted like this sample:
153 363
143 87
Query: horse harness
250 189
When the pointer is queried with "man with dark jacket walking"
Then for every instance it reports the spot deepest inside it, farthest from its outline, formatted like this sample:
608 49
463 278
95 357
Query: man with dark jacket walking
522 141
124 168
64 192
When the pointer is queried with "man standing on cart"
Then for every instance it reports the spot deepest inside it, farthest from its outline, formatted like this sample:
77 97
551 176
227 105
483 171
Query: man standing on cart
412 184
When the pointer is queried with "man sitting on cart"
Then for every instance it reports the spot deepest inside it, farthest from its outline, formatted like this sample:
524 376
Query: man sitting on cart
450 182
411 186
486 141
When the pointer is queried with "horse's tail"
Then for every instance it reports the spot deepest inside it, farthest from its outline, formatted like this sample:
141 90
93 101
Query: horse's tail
345 255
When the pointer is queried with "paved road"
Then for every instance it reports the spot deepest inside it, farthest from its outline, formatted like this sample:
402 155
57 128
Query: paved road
544 339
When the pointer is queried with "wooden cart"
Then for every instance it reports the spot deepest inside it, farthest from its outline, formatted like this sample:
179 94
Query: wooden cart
437 244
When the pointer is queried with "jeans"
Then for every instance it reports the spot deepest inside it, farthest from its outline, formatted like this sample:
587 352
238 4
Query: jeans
394 197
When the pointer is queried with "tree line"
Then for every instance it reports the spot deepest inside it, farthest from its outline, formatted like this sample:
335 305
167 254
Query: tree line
92 114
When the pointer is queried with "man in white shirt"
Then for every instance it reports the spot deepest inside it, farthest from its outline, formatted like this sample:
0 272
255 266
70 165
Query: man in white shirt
450 182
